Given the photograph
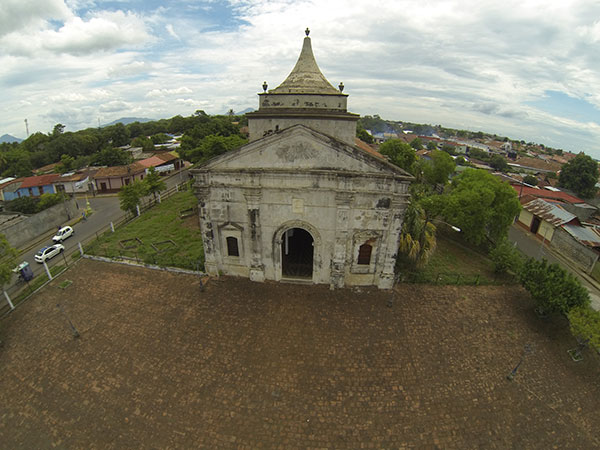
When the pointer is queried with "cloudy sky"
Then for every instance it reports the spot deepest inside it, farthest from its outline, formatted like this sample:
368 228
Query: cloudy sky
525 69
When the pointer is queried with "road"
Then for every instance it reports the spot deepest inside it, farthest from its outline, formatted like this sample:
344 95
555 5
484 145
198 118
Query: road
106 209
533 247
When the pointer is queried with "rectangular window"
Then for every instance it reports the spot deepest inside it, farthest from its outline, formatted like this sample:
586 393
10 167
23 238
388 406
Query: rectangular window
364 254
232 246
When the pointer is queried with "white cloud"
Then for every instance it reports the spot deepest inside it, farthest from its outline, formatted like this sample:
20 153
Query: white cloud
102 31
169 28
166 92
19 14
467 64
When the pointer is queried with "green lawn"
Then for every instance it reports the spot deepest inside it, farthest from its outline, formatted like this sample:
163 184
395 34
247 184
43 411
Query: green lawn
159 236
456 263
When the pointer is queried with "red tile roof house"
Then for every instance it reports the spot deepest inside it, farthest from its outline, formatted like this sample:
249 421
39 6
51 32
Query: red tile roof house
112 179
76 182
33 187
164 163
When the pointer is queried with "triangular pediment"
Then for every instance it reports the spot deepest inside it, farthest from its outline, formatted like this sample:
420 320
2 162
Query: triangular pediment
301 148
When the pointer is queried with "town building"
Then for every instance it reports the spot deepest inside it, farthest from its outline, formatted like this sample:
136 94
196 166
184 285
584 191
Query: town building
301 202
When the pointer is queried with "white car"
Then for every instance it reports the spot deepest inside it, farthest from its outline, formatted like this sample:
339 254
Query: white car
63 233
48 252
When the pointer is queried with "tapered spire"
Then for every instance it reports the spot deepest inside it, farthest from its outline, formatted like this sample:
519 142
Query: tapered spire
305 77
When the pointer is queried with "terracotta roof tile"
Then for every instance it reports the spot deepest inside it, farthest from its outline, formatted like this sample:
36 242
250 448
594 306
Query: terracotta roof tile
40 180
120 171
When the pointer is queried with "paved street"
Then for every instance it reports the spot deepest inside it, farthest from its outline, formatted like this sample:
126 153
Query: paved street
106 210
160 364
531 246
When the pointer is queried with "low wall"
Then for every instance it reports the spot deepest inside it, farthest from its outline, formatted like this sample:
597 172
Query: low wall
574 250
19 234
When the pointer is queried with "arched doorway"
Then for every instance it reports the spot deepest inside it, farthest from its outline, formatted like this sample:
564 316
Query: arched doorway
297 250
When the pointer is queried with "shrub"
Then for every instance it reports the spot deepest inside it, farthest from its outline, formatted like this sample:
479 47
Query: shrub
506 257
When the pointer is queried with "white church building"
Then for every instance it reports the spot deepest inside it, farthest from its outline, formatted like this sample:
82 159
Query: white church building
301 201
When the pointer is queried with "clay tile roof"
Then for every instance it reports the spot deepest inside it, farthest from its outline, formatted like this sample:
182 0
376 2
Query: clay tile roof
120 171
151 162
166 157
545 193
367 148
40 180
305 77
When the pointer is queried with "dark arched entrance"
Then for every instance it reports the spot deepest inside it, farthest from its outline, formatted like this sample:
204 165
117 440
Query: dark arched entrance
297 253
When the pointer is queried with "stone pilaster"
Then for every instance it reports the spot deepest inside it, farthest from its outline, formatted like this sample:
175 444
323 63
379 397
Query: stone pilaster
257 269
391 242
343 202
206 228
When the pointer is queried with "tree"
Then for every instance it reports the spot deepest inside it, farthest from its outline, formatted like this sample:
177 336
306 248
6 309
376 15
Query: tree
584 323
479 154
439 168
154 183
580 175
144 142
506 257
111 156
25 205
130 195
159 138
417 239
481 205
531 180
66 163
416 143
498 163
552 288
59 128
8 261
364 135
432 145
210 147
399 153
47 200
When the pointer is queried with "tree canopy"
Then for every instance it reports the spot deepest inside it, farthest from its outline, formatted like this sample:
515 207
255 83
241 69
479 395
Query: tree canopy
585 324
8 258
417 239
552 288
399 153
130 196
154 183
580 175
481 205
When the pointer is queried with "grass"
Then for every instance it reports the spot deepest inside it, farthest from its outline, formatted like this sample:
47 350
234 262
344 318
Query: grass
456 263
146 235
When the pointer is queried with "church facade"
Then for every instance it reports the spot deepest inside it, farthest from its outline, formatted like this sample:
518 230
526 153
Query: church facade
302 201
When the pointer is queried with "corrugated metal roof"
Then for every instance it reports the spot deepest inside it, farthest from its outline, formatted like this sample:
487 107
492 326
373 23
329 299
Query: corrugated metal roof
550 212
587 235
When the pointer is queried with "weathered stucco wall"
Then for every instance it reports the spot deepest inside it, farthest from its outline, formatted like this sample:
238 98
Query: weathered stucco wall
574 250
340 212
18 235
525 217
343 130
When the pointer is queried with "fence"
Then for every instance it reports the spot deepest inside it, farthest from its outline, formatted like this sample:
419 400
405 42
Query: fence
21 290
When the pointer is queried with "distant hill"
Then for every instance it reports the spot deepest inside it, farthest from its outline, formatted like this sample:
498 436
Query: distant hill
247 110
8 138
127 120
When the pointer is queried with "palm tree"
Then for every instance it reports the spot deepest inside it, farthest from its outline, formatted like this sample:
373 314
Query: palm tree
417 239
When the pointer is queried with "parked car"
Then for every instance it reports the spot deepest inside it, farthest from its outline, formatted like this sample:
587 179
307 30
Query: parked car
48 252
63 234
